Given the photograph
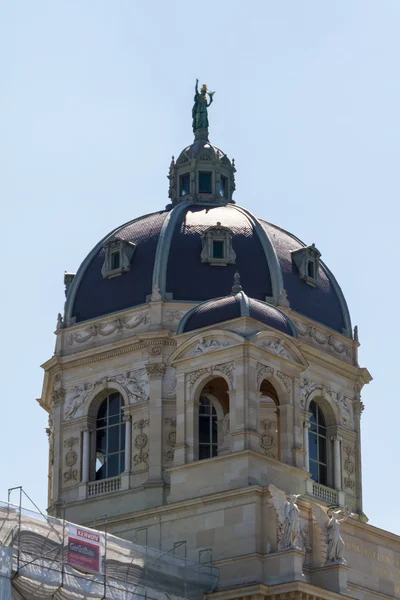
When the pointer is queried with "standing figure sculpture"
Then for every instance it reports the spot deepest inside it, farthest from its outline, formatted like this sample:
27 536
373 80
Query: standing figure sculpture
199 111
330 526
289 518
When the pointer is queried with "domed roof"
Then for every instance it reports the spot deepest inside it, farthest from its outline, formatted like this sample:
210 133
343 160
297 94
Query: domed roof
230 307
168 247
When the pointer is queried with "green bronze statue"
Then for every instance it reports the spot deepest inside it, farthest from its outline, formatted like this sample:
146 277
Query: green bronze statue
199 112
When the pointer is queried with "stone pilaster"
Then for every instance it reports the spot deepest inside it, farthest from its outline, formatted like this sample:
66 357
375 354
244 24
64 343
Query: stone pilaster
180 447
155 372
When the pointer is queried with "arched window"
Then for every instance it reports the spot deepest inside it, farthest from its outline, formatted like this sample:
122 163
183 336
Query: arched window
317 442
110 437
208 429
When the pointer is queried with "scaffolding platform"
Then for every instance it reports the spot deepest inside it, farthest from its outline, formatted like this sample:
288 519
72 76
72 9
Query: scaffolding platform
34 564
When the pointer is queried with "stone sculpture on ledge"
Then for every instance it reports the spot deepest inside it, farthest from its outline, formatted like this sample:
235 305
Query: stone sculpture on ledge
289 517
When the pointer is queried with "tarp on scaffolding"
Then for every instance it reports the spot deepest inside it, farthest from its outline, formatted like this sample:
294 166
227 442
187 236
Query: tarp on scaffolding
34 564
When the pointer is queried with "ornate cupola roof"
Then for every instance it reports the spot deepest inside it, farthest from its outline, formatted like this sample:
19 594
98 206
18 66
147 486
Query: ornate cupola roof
202 172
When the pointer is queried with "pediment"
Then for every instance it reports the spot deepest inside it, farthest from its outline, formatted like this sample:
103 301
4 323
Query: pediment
280 346
205 343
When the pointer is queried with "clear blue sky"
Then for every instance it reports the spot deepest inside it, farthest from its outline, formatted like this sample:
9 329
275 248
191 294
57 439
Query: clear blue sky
95 97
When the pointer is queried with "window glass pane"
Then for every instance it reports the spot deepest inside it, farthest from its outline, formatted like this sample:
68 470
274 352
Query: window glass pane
101 441
214 431
321 418
214 450
114 419
322 475
310 269
102 410
205 183
185 184
101 423
312 445
115 260
122 432
223 185
113 465
113 439
204 452
100 469
314 470
204 429
218 249
322 450
114 404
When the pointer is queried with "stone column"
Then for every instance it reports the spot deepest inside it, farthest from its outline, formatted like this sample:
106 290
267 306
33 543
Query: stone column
85 454
180 447
337 471
155 372
128 442
306 427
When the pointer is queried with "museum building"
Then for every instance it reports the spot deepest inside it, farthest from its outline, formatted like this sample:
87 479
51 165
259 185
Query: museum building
204 397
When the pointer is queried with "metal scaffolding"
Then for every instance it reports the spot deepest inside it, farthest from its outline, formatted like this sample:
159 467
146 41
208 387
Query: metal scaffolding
34 564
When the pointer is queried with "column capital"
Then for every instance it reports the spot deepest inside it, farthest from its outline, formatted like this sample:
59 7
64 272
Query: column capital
306 424
156 370
336 438
86 429
126 417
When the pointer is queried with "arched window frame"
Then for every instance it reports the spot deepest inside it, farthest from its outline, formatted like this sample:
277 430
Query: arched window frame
318 442
93 414
332 426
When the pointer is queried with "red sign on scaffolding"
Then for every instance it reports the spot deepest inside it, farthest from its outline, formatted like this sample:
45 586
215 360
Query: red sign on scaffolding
84 549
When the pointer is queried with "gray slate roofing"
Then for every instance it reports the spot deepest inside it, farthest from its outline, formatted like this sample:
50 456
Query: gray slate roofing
234 306
168 248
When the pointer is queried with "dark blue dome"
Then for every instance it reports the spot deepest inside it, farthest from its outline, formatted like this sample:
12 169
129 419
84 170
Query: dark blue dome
237 305
168 248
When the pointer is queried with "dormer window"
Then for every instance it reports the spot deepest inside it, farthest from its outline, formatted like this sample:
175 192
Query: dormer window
117 257
223 186
218 249
217 246
185 184
205 182
115 260
307 263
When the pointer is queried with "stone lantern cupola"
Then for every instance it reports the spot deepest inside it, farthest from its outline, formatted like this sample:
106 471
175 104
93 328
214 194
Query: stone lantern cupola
202 173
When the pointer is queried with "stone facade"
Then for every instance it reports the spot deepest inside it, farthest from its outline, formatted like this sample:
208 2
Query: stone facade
217 510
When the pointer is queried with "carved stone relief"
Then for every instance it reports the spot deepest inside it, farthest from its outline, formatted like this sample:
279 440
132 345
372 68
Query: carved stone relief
170 439
169 384
349 467
344 404
226 369
114 326
174 315
155 370
141 456
135 383
319 338
277 347
70 459
263 372
210 344
268 440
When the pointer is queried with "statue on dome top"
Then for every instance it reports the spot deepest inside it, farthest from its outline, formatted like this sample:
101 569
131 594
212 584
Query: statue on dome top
199 111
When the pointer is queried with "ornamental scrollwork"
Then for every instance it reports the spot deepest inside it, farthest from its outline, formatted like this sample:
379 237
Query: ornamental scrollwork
262 372
287 382
322 339
108 328
170 439
140 443
226 369
174 315
267 441
155 370
344 404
